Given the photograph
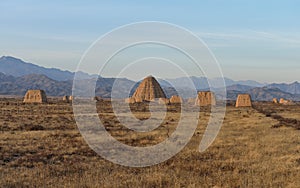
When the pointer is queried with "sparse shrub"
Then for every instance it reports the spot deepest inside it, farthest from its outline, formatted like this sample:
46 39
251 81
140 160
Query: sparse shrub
34 128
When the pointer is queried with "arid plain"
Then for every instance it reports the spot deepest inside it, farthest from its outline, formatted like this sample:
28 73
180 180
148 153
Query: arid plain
256 147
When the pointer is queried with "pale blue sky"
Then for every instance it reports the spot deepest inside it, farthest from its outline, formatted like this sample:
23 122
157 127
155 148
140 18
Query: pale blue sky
258 40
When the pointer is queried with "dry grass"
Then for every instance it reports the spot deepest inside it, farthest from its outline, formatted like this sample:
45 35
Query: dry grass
286 115
41 146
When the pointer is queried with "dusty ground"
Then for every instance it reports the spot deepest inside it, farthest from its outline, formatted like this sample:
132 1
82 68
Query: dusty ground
40 145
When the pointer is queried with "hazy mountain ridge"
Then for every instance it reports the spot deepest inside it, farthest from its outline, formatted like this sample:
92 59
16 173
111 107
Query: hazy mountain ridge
239 87
263 94
19 85
62 83
17 68
10 85
293 88
267 94
202 83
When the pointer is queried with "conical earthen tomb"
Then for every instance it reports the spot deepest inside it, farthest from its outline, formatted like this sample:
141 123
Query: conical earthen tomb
148 90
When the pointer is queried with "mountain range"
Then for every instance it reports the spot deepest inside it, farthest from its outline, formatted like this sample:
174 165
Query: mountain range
17 76
16 67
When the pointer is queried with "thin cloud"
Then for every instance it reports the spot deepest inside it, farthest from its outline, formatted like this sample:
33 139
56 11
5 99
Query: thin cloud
276 37
250 35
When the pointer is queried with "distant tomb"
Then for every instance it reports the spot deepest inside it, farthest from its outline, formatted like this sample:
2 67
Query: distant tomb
129 100
66 98
285 102
275 101
35 96
163 101
205 98
243 100
175 99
